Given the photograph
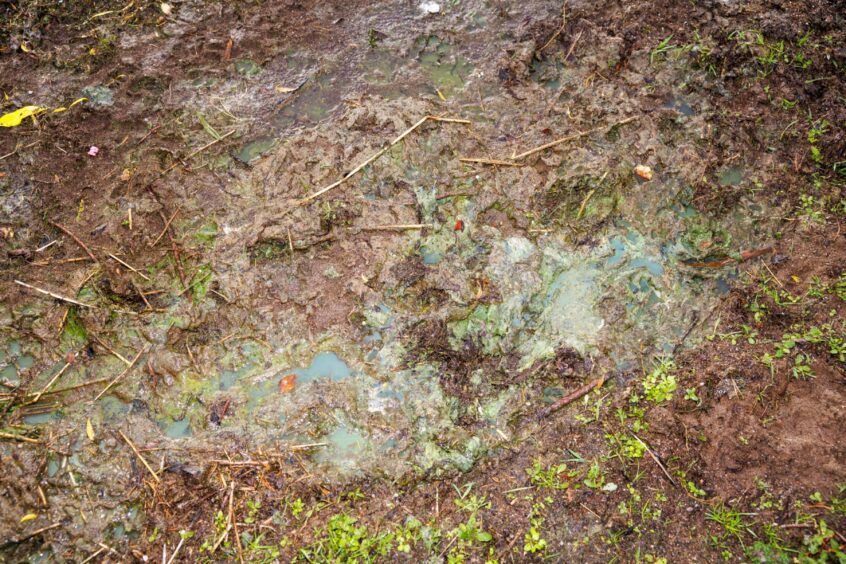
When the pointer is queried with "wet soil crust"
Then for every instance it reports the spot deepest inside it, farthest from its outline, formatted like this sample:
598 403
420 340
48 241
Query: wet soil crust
718 439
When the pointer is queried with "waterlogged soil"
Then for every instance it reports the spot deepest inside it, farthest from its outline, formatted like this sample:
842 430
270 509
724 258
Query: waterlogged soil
213 350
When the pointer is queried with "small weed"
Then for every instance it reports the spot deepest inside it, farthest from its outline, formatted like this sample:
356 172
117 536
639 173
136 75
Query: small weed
473 504
533 542
343 541
815 133
729 519
690 395
694 490
801 370
660 384
811 210
595 478
663 47
840 287
296 507
556 477
626 446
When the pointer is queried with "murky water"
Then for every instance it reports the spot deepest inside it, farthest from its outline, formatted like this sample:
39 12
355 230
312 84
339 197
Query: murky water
588 258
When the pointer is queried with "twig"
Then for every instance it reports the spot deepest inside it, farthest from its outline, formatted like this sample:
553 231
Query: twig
228 515
198 151
121 375
79 242
132 268
223 536
167 224
512 161
46 246
114 352
19 540
60 261
745 255
309 445
481 160
21 438
572 46
175 252
234 522
54 295
7 155
263 463
178 547
207 145
50 383
378 154
571 138
656 459
138 454
398 227
140 293
76 387
93 556
560 29
573 396
773 275
584 204
196 282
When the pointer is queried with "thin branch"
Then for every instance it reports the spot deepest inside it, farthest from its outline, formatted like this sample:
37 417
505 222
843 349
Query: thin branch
378 154
121 375
54 295
138 454
79 242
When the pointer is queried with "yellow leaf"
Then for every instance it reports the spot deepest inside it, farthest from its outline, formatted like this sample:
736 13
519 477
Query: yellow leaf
64 109
29 517
285 89
15 118
89 430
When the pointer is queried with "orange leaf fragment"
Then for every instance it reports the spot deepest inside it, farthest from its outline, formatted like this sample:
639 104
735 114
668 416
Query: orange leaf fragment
287 383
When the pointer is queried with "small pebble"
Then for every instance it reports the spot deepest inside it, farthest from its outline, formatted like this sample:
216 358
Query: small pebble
430 7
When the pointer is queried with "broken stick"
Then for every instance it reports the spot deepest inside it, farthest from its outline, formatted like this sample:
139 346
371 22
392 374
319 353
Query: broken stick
573 396
378 154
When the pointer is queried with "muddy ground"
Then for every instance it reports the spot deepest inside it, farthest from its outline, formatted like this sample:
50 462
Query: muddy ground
257 306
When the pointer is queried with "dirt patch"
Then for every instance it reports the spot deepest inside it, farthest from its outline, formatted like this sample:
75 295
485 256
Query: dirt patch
228 365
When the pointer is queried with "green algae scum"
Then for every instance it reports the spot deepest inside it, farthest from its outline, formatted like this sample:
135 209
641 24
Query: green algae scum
288 283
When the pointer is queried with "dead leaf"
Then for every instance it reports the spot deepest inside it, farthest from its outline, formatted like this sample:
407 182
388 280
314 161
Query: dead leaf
13 119
72 104
227 52
89 429
287 383
644 172
284 89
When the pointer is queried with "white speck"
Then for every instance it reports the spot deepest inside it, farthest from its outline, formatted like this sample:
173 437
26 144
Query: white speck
430 7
